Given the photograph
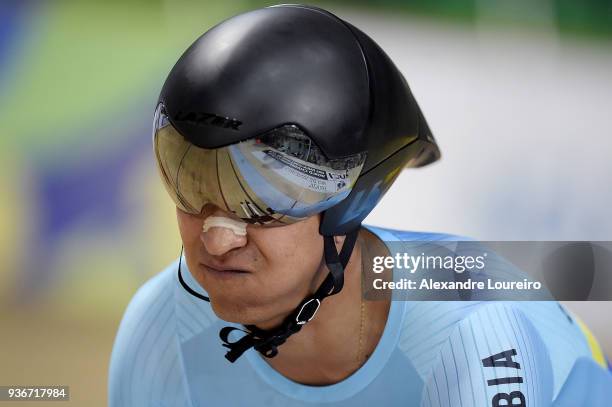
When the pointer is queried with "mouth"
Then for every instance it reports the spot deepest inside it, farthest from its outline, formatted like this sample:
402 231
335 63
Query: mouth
223 273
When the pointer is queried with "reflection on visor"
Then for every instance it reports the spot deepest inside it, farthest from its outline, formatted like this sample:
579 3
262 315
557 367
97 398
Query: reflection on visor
281 176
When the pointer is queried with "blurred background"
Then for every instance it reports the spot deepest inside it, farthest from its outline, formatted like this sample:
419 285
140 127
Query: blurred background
518 94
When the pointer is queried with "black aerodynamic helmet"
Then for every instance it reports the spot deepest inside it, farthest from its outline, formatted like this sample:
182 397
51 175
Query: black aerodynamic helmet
281 113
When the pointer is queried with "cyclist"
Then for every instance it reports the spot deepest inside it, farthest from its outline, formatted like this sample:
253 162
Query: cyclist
275 134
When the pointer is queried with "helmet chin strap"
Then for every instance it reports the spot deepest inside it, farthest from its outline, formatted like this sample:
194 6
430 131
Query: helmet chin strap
267 342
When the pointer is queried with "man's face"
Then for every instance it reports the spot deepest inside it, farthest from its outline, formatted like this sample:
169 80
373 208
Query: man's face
257 279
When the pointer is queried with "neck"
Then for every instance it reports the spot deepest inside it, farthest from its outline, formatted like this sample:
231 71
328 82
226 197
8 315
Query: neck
340 338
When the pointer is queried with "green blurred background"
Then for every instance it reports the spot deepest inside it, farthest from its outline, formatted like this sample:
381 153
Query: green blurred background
84 221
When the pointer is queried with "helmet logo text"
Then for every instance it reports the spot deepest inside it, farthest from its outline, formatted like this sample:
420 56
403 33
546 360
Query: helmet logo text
210 119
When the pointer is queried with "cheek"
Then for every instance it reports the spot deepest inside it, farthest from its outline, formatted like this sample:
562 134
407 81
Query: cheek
293 254
189 228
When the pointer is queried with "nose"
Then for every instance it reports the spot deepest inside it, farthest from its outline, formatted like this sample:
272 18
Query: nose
219 239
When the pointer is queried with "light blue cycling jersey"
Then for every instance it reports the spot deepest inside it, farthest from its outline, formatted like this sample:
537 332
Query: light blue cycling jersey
461 354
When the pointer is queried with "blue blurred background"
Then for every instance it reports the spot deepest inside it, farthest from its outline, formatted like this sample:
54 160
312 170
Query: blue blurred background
518 94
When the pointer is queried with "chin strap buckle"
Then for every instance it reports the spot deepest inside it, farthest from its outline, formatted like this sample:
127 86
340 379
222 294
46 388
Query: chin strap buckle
308 311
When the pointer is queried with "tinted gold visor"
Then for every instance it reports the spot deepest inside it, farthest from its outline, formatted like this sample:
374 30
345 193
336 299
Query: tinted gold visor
280 176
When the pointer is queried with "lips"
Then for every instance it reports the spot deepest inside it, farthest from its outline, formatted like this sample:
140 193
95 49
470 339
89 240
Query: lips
223 269
224 275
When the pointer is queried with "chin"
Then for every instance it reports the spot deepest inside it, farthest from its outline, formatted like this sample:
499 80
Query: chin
232 311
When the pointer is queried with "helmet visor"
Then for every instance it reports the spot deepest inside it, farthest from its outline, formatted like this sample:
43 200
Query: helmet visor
279 176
